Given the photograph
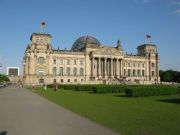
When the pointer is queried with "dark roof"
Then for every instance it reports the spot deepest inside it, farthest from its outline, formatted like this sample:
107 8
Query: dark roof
82 41
143 45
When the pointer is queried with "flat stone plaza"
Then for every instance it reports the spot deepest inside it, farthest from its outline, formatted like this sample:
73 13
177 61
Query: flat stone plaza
23 112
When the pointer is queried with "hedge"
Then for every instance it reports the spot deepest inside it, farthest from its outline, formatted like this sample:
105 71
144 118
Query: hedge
152 91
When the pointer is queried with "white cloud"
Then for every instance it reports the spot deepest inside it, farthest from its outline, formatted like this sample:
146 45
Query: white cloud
177 11
143 1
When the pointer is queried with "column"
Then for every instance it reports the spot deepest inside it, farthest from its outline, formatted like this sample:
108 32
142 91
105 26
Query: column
117 68
111 68
122 68
105 72
99 67
92 67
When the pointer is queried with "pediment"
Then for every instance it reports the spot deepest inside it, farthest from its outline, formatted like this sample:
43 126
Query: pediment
107 51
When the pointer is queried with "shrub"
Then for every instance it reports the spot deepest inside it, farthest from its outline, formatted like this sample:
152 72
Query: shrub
142 91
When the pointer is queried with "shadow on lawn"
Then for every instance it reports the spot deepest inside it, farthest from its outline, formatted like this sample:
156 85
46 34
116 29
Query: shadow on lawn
3 133
174 100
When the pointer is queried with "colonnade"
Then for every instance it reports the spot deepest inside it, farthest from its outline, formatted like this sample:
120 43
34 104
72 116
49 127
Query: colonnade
106 67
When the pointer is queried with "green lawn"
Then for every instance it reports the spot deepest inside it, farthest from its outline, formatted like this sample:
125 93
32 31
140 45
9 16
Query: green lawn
158 115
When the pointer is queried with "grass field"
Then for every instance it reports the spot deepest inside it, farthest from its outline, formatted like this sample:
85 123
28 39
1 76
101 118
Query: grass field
159 115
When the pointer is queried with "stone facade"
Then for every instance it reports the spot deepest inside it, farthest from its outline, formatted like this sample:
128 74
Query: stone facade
88 62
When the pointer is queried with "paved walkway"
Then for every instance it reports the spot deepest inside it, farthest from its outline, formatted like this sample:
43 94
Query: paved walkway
25 113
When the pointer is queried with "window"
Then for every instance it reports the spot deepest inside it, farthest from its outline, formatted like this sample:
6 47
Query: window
124 72
41 60
81 62
139 64
139 72
74 62
134 64
81 71
68 71
41 81
143 65
62 80
134 72
152 64
152 73
129 64
54 80
54 61
82 80
54 71
75 80
61 71
40 72
69 80
68 62
61 61
75 71
142 72
129 72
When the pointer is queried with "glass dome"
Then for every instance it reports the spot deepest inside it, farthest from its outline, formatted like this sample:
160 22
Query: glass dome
82 41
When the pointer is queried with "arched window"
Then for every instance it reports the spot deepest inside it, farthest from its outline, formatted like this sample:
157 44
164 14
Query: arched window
41 60
61 71
142 72
134 72
75 71
139 73
68 71
54 71
40 72
129 72
152 64
81 71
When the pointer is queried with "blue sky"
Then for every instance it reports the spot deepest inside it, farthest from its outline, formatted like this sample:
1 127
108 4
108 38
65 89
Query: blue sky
107 20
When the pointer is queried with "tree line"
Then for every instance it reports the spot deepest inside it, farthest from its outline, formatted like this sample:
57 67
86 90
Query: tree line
169 76
4 78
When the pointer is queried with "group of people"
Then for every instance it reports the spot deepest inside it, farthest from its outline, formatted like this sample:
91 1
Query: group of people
55 86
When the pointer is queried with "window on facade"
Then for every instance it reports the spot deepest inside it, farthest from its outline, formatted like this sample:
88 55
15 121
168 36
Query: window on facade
138 72
54 80
68 62
41 60
61 71
41 81
68 71
142 72
69 80
54 61
129 64
143 65
81 71
75 80
152 64
62 80
61 61
134 64
54 71
40 72
74 62
75 71
129 72
82 80
139 64
124 72
152 73
81 62
134 72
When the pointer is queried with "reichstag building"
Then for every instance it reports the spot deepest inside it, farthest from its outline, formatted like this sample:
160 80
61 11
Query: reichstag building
88 62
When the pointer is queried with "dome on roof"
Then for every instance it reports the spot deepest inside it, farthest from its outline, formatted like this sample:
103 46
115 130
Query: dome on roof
82 41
